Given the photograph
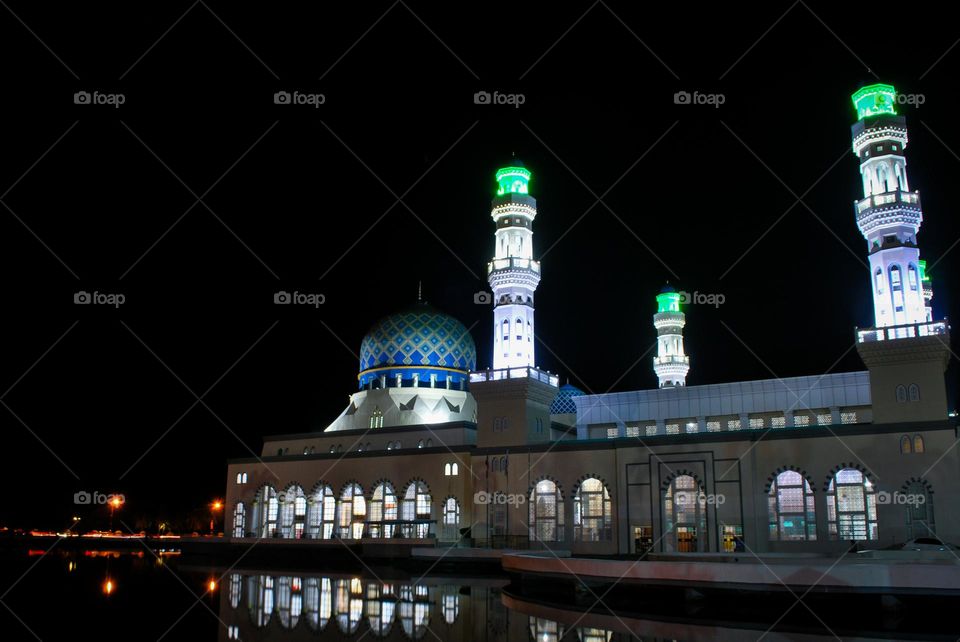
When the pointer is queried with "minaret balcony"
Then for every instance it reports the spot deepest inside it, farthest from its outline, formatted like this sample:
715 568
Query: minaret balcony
672 360
513 263
906 331
889 208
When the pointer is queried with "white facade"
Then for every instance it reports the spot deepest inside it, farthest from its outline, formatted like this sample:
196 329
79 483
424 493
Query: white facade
513 273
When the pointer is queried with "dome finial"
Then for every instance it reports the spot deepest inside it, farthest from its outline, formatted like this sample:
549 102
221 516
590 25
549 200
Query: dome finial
419 291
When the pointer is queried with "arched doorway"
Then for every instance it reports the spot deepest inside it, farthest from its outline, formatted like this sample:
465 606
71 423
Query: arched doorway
684 516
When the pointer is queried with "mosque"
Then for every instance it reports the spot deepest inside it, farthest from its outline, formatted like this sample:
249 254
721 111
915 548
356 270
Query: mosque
431 450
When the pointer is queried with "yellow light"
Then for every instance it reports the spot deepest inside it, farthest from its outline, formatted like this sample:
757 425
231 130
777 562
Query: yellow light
115 502
217 505
212 586
108 587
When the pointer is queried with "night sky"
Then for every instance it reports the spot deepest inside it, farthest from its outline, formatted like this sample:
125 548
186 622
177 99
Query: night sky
300 198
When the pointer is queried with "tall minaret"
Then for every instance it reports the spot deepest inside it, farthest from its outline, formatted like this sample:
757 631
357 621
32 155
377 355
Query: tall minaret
670 364
513 274
889 215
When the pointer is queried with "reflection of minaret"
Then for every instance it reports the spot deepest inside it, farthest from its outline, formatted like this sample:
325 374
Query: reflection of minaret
513 274
670 364
889 215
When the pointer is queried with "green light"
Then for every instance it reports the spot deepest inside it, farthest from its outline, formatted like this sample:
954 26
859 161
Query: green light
922 264
513 180
874 100
668 302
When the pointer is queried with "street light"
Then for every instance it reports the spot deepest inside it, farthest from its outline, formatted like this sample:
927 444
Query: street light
215 507
115 503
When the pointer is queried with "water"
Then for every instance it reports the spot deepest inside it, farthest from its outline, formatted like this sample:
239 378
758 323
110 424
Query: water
124 595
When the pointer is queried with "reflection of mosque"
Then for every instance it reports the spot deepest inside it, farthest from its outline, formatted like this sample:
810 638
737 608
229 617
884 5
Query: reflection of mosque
258 607
429 450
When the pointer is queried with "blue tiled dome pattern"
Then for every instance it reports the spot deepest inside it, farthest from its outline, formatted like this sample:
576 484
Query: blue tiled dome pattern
420 336
563 403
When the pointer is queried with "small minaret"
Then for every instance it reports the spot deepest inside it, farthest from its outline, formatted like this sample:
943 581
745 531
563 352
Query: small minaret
513 273
889 215
670 364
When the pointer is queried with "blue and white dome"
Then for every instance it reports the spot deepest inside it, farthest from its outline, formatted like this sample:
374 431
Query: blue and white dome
419 340
563 404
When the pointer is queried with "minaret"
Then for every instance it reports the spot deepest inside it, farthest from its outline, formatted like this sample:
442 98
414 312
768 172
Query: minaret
889 214
513 274
670 364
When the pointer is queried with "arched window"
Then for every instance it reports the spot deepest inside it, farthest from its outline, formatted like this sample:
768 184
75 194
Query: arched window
592 512
518 328
451 519
333 449
353 512
420 444
244 479
446 470
318 602
380 609
906 445
852 506
901 394
914 392
266 506
348 605
685 509
506 330
919 503
260 599
376 418
917 444
912 276
879 279
790 509
415 511
322 513
429 443
289 600
546 512
239 520
454 469
450 602
236 589
239 478
383 511
414 610
503 464
293 514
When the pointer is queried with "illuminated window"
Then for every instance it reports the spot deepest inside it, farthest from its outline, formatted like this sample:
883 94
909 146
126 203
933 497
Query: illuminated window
352 513
756 422
879 279
917 444
713 426
906 445
801 420
546 512
420 444
451 519
912 277
415 510
651 430
673 429
266 506
383 511
293 513
693 426
790 509
852 506
824 419
239 520
376 419
321 513
848 417
613 433
633 431
592 512
778 422
733 424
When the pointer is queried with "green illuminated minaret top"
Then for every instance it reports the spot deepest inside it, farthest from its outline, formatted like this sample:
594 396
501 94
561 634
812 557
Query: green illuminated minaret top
513 179
668 301
874 100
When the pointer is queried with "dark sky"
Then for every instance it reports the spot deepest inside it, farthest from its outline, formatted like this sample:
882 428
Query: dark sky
297 193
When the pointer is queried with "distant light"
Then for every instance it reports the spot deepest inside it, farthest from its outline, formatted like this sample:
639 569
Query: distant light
212 586
108 587
217 504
